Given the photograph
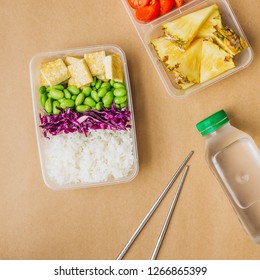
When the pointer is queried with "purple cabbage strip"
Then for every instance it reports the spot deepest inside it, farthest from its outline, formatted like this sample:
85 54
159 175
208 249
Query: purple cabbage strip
70 121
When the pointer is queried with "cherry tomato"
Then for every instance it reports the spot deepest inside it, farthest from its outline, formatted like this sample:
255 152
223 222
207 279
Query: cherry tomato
137 4
150 12
166 6
178 3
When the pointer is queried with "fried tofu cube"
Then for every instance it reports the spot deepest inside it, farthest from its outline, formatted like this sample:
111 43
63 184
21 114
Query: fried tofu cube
102 77
114 68
43 82
71 82
80 73
95 62
71 59
54 72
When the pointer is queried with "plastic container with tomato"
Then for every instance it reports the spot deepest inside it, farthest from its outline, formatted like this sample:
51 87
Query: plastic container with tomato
151 29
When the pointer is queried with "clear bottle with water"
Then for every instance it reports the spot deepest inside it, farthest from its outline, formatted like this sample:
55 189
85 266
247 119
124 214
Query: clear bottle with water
234 159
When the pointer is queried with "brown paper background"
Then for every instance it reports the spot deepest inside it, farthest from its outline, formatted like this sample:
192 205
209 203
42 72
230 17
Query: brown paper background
39 223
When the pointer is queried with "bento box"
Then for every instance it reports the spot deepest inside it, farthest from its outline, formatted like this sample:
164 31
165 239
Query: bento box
178 85
84 117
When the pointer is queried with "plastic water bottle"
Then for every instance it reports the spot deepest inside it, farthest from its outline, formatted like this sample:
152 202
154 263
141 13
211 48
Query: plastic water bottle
234 159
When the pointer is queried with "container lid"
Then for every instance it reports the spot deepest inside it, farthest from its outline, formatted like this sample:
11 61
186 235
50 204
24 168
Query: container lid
212 123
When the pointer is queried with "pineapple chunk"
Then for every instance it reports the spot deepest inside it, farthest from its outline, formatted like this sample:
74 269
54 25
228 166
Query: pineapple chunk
182 81
209 27
95 62
184 29
80 73
187 63
214 61
164 47
71 59
114 68
229 40
54 72
225 37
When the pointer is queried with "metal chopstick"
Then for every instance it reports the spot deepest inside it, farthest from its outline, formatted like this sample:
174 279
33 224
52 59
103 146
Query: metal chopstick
154 207
169 215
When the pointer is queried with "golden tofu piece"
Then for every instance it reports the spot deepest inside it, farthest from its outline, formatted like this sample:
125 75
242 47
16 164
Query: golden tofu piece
114 68
80 73
71 82
71 59
54 72
102 77
43 82
95 62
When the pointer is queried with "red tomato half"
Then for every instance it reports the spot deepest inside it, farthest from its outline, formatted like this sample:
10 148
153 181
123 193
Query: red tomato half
166 6
149 12
137 4
178 3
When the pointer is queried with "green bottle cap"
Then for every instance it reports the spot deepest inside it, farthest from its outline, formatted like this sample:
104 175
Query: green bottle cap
212 123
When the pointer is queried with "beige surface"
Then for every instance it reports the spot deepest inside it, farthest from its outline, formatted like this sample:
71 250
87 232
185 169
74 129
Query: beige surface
38 223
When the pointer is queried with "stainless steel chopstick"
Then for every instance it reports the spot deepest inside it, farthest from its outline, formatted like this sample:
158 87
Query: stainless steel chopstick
154 207
169 215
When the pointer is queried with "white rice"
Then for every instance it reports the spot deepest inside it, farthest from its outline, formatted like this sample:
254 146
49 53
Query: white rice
104 155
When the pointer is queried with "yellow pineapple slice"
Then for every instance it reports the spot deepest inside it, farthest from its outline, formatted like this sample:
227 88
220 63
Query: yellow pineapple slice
184 29
229 40
209 27
164 47
225 37
214 61
187 63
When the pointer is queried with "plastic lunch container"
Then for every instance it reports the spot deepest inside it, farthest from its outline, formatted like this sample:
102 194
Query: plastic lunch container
153 29
35 65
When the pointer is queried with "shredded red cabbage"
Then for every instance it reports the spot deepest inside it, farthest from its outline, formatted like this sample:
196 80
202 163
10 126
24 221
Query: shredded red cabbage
70 121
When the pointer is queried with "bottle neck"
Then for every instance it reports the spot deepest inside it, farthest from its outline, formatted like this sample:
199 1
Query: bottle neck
218 131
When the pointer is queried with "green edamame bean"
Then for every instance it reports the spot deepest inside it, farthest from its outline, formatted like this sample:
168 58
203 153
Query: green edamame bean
73 90
48 89
95 96
119 92
106 85
94 81
59 87
106 105
98 84
108 98
122 105
87 91
67 93
118 106
90 102
99 106
43 99
80 98
119 85
112 82
42 89
48 105
102 92
82 108
62 99
120 99
56 94
55 110
73 97
67 103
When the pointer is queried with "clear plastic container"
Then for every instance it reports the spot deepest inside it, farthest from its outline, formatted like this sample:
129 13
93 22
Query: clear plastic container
153 29
234 159
35 65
